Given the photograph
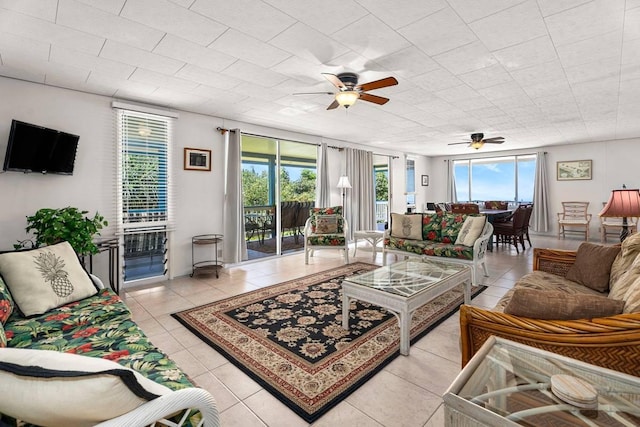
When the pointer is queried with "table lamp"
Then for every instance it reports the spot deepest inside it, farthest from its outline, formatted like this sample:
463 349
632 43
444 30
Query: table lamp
623 203
343 184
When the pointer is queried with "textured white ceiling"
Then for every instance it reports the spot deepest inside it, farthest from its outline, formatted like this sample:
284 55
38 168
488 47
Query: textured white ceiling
535 72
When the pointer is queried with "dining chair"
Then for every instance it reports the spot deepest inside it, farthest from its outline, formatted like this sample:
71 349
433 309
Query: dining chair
574 218
465 208
529 210
512 231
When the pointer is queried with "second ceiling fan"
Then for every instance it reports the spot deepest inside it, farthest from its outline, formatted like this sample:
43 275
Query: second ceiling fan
349 91
478 140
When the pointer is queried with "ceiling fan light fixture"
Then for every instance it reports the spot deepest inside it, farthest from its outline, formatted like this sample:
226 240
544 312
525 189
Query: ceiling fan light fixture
476 144
347 98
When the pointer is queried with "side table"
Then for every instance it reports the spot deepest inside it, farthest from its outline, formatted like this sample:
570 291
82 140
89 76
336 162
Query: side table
372 236
209 265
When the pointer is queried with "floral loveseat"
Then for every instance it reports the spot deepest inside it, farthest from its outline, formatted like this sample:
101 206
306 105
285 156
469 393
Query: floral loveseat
582 304
459 237
73 348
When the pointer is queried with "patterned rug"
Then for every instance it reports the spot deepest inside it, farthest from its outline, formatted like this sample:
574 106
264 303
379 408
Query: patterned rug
288 337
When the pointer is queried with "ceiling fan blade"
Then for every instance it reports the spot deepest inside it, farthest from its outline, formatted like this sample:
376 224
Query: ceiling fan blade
374 98
313 93
378 84
333 105
334 80
459 143
496 140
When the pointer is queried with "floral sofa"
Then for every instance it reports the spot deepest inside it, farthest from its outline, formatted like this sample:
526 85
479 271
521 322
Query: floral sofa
93 330
459 237
582 304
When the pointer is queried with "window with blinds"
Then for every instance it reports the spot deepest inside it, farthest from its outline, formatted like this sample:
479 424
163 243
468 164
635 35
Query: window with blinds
144 208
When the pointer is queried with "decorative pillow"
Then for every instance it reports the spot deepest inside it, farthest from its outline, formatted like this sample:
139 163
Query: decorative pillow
451 225
557 305
626 268
471 230
47 387
3 338
45 278
406 226
632 298
314 213
326 224
431 226
592 267
6 303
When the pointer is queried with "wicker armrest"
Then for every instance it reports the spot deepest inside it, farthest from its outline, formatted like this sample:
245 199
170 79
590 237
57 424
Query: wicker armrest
553 261
611 342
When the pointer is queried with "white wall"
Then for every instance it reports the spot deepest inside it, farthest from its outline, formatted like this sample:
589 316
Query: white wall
614 163
198 196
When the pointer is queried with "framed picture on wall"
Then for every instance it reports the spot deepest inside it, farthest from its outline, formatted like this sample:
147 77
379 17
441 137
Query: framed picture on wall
574 169
425 180
197 159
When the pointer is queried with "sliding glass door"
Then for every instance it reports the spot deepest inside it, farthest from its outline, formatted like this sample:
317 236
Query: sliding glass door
278 188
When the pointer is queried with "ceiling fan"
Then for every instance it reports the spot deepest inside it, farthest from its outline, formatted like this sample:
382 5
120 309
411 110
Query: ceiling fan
478 140
349 91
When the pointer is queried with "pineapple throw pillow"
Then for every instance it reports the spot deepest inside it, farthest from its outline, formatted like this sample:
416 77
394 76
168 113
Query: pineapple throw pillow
45 278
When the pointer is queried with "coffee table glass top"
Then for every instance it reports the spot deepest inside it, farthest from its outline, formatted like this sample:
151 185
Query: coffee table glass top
515 381
407 278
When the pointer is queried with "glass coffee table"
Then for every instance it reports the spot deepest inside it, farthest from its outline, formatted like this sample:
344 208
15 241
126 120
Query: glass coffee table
403 287
511 384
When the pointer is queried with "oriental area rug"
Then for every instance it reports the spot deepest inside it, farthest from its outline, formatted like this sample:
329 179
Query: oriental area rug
289 338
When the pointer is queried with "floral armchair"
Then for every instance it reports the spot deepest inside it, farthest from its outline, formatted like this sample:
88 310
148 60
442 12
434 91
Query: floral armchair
326 228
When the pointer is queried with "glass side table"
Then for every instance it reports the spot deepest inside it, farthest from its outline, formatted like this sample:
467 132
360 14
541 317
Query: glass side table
510 384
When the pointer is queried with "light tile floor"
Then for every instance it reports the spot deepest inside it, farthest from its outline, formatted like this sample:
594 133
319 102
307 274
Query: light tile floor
405 393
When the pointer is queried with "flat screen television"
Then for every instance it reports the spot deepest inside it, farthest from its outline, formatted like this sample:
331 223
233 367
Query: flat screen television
33 148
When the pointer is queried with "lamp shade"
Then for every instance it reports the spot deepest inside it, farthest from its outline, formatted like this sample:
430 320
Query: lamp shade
343 182
347 98
622 203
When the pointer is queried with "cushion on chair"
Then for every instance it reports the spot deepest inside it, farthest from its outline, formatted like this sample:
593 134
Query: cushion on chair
46 387
326 240
471 230
451 225
326 224
3 337
316 213
558 305
45 278
406 226
592 267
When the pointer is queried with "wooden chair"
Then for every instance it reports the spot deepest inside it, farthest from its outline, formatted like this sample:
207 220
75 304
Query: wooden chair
465 208
513 230
575 217
496 205
326 228
612 226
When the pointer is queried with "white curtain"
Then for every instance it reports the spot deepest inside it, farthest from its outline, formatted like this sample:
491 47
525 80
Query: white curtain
540 214
235 246
451 182
360 209
322 178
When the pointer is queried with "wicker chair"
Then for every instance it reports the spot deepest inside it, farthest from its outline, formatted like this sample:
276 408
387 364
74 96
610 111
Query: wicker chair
611 342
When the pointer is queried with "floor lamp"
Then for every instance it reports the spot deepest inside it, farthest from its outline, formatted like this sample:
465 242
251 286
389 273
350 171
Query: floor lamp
623 204
343 184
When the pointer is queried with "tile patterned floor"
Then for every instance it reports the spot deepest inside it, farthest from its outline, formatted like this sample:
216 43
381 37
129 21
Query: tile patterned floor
405 393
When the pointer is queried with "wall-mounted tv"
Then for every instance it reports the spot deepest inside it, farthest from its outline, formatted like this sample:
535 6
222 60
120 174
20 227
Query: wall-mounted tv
33 148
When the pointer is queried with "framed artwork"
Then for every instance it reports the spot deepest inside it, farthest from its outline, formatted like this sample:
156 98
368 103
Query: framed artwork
574 169
196 159
425 180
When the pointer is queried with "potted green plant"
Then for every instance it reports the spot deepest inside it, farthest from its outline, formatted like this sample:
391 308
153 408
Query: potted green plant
52 226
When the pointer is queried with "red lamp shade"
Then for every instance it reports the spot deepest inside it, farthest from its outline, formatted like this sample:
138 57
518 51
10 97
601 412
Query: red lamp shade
622 203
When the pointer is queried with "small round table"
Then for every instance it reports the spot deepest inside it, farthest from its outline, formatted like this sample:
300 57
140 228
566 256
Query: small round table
372 236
